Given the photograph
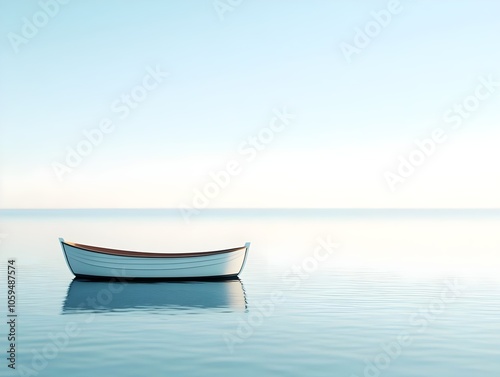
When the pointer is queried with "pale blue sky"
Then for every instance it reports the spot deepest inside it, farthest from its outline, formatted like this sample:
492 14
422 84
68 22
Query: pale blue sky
225 78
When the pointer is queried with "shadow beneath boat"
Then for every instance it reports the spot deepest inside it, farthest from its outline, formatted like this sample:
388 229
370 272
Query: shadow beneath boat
121 296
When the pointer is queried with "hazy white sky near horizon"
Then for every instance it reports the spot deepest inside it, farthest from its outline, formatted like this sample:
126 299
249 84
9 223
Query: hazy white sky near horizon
225 80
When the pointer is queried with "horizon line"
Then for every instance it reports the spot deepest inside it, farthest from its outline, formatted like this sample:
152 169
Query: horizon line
251 209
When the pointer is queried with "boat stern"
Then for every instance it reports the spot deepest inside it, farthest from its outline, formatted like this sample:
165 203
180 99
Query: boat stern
247 247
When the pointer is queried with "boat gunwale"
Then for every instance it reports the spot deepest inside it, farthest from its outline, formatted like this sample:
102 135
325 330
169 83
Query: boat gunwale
142 254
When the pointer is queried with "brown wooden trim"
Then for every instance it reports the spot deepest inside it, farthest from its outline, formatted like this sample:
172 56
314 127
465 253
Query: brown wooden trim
141 254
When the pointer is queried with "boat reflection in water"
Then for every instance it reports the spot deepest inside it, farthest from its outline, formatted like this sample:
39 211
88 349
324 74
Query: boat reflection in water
109 296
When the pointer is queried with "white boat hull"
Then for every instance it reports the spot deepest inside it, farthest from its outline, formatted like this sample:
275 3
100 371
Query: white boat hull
101 264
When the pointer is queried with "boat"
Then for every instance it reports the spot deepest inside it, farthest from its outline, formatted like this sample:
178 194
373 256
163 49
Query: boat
172 296
93 262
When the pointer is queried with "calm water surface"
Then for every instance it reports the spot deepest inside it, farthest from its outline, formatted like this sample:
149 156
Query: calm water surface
402 294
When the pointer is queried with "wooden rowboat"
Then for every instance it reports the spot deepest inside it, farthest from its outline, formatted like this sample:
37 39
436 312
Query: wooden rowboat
94 262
